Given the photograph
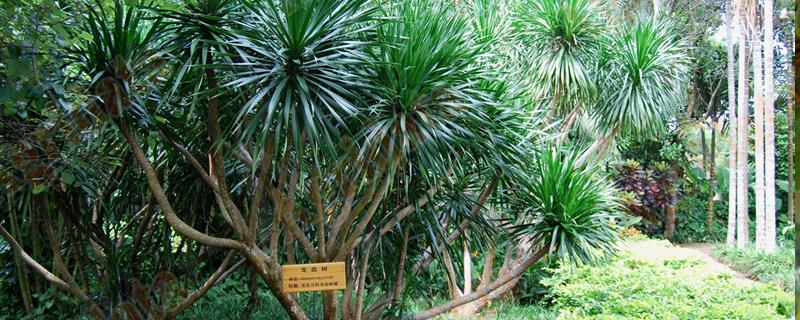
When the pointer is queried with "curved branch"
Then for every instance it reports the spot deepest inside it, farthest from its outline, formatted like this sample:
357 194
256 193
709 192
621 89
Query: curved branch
409 209
452 304
163 201
193 161
49 276
350 242
264 178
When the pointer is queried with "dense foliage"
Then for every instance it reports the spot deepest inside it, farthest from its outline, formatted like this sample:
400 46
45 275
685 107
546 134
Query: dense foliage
164 158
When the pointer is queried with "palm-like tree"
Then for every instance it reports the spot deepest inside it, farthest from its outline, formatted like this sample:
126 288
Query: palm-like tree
742 215
732 119
758 121
575 211
566 210
769 128
646 66
428 113
565 39
303 58
643 69
627 78
119 60
346 111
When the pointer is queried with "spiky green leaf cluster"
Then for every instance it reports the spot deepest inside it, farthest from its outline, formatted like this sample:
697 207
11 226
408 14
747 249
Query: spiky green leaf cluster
645 70
570 209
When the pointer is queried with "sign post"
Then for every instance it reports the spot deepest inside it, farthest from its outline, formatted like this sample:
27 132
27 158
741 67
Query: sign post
313 277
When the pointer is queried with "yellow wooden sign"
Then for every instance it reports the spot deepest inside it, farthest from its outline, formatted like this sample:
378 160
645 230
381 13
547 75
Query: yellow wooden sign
313 277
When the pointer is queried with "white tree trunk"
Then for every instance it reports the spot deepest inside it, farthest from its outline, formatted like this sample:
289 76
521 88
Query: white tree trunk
769 129
758 120
742 214
790 207
731 234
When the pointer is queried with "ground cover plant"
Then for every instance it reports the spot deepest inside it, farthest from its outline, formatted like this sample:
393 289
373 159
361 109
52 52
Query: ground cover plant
674 288
774 268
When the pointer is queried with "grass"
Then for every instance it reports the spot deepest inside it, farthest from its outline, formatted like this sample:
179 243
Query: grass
773 268
228 300
510 311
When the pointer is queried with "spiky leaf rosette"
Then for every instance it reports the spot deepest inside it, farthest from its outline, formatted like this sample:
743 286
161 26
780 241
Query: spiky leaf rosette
120 56
572 210
300 60
564 39
426 107
645 69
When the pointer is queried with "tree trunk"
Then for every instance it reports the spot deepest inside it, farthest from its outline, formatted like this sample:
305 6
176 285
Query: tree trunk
189 300
711 166
351 273
452 284
790 177
330 305
769 130
515 273
599 147
253 301
41 270
742 214
703 149
428 254
732 190
467 309
361 281
471 308
790 109
22 272
758 121
271 274
796 172
399 278
467 264
669 223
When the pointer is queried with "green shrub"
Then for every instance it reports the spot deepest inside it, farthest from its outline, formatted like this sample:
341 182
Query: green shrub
673 289
691 218
774 268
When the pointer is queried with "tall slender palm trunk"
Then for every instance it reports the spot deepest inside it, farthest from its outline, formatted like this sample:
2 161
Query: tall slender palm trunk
742 214
790 208
790 177
758 121
795 172
769 130
731 234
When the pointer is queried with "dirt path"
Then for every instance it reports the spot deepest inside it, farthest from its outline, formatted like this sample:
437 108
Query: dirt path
707 250
658 251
